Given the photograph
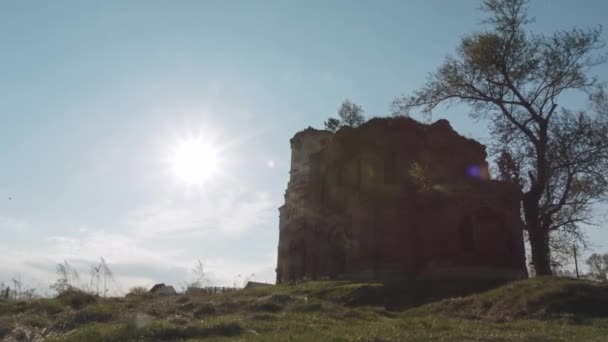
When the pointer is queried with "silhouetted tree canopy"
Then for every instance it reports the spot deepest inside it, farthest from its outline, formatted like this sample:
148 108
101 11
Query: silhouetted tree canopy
349 114
516 78
598 266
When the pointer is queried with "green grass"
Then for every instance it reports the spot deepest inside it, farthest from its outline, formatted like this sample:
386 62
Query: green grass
539 297
539 309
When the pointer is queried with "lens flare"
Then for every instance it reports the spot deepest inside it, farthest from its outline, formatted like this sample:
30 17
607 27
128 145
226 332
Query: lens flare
478 172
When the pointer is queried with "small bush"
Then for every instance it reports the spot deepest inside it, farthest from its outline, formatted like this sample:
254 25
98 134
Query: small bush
76 298
94 313
12 307
47 306
137 291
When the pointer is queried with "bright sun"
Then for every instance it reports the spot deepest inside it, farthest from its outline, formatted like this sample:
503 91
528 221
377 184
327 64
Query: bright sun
194 161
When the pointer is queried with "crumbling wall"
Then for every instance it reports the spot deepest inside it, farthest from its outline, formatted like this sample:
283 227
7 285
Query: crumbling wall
396 197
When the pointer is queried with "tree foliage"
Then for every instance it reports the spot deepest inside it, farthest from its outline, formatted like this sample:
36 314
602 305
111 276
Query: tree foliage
349 114
516 79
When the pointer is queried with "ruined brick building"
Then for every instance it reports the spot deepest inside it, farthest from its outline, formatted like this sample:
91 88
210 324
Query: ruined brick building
396 197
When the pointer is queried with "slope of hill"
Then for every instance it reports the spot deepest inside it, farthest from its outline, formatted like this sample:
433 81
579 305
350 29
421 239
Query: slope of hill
538 309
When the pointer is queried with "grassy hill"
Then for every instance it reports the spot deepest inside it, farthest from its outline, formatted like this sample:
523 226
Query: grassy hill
538 309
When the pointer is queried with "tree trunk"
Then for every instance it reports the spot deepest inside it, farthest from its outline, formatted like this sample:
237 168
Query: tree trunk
539 243
575 252
539 230
539 237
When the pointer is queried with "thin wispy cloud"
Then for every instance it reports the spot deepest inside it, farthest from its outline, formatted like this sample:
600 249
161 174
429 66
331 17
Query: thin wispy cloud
231 213
138 254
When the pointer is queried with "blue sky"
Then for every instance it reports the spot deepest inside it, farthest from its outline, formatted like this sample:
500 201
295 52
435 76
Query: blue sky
95 94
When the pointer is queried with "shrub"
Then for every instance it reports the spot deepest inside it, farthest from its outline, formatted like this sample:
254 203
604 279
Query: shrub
47 306
137 291
12 307
76 298
94 313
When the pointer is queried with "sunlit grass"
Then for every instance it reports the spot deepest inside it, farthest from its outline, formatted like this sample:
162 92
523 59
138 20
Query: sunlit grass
536 309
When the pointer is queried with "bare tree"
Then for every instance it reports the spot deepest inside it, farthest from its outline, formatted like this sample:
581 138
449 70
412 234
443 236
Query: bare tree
66 277
516 79
5 291
100 274
241 280
598 266
349 114
17 291
199 277
17 287
199 273
599 99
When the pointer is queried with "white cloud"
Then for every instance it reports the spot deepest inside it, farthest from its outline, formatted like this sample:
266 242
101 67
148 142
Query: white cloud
132 263
140 254
231 213
149 245
232 272
115 248
246 215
